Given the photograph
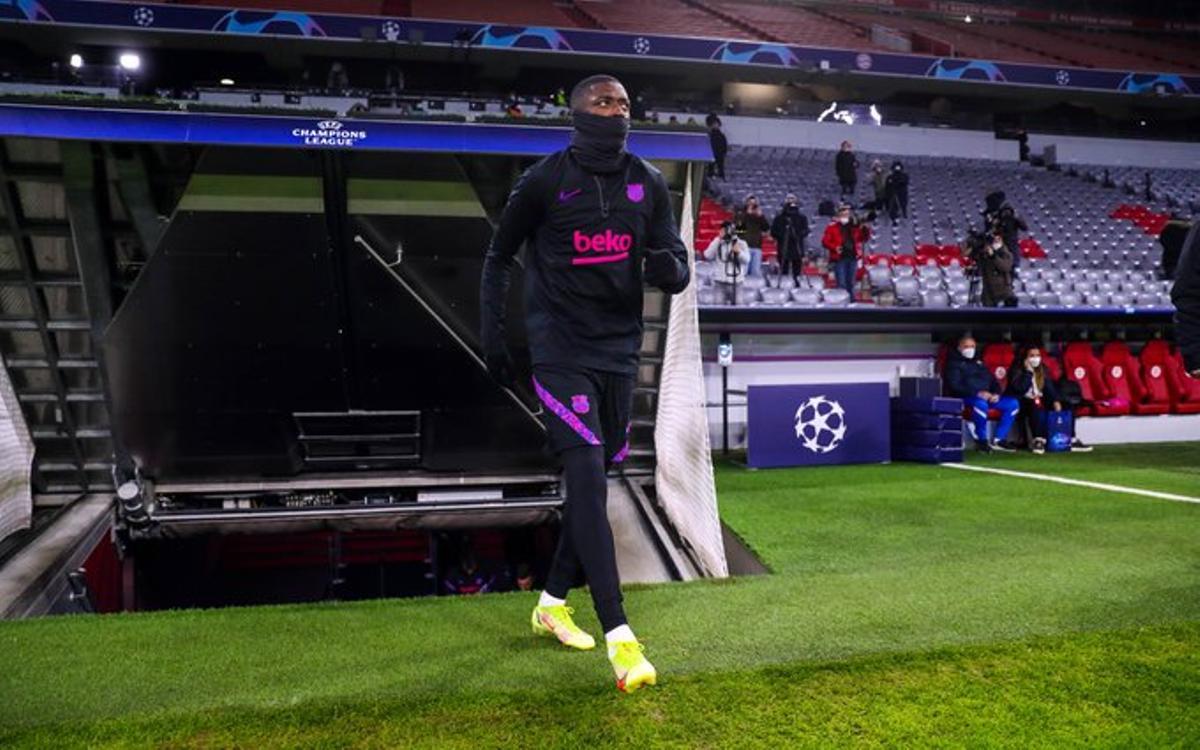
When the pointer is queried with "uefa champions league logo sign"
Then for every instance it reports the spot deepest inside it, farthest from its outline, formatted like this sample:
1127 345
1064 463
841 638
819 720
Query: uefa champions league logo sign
820 424
328 133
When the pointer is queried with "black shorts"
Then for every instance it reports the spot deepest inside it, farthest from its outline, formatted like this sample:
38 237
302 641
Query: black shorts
585 407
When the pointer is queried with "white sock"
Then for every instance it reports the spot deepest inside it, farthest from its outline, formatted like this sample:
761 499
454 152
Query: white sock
619 633
545 600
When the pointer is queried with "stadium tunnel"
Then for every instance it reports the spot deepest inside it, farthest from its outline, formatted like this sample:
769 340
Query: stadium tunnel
250 366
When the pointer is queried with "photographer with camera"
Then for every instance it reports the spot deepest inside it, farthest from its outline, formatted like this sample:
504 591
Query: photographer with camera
790 230
844 239
733 254
896 192
992 270
1000 216
751 224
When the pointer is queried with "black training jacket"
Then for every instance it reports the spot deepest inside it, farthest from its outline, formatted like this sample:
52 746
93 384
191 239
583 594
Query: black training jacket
583 273
1185 294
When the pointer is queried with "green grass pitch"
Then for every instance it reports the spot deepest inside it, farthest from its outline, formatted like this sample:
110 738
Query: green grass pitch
907 605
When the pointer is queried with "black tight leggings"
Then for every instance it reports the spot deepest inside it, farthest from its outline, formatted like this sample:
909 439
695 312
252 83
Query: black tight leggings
586 539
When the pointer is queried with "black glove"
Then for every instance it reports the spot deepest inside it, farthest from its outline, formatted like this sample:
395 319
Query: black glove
501 367
662 269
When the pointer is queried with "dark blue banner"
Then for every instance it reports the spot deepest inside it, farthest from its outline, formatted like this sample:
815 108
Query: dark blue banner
87 123
551 40
813 425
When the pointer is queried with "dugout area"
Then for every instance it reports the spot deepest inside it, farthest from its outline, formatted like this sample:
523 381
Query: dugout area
281 343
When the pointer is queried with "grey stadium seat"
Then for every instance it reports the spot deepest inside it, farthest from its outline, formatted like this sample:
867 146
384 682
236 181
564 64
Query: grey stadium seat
835 297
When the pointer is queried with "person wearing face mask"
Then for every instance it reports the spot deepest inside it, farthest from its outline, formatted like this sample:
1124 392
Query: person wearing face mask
968 378
844 239
599 225
790 230
732 253
995 262
1035 388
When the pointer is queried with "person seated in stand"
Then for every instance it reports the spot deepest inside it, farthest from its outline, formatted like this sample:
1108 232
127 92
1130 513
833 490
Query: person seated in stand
1035 388
968 378
732 255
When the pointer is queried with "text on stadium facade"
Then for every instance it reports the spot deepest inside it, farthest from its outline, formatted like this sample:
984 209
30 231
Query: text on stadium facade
328 133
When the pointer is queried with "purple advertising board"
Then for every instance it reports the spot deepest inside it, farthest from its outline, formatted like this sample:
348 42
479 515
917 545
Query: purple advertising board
817 425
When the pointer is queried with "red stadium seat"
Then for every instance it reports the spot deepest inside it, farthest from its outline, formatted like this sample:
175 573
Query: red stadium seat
928 251
904 260
1154 360
1185 391
1053 366
1121 375
879 259
1081 366
998 358
948 254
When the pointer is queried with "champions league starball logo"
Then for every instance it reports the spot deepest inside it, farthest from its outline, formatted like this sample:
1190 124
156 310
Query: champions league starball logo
390 30
820 424
328 133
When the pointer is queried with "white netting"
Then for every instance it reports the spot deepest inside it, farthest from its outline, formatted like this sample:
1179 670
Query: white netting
16 457
684 477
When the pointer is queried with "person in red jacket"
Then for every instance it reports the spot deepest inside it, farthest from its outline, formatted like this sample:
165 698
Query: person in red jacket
844 239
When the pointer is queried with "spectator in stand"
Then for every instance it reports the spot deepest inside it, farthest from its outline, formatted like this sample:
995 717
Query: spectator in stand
844 239
733 255
720 146
1035 388
393 79
337 80
752 223
790 230
968 378
1185 294
879 183
846 166
995 263
1000 216
896 192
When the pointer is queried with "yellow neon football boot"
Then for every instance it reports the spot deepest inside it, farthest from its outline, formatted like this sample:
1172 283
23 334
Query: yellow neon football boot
556 621
632 668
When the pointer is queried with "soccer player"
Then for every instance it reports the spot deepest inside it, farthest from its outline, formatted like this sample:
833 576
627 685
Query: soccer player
600 224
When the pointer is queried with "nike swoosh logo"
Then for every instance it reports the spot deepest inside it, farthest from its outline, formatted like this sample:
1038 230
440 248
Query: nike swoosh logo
566 195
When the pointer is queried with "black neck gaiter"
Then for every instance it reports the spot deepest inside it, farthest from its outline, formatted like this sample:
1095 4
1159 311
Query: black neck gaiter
598 141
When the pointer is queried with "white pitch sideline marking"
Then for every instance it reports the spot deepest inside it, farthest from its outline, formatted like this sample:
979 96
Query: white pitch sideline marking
1078 483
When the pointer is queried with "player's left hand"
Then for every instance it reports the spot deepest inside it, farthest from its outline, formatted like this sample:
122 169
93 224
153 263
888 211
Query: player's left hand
661 268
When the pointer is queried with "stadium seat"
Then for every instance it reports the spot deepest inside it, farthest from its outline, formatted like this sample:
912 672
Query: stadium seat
1154 362
775 296
1121 375
908 291
1185 391
998 358
935 298
1081 366
835 297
